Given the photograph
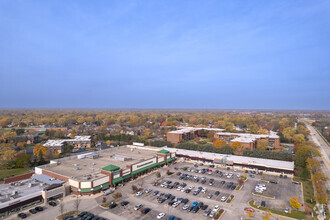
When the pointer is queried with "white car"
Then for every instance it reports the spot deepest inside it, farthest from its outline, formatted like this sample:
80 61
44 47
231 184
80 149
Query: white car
204 190
137 207
216 208
238 175
223 198
179 188
286 210
139 193
185 207
161 215
148 190
183 189
175 204
191 187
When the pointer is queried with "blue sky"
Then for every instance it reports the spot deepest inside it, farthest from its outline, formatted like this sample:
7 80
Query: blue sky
165 54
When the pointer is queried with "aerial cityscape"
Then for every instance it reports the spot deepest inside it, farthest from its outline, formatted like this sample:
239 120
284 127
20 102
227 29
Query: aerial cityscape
164 110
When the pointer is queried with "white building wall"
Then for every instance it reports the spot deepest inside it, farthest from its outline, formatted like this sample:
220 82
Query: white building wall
101 181
126 172
144 164
85 185
74 183
160 159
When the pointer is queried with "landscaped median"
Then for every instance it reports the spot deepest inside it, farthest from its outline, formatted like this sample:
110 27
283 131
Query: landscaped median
230 199
263 195
71 213
294 213
219 214
239 187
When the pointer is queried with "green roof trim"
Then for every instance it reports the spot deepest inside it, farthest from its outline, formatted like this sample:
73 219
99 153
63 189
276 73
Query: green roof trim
161 163
111 168
97 188
144 169
117 180
163 151
170 159
105 185
125 177
85 190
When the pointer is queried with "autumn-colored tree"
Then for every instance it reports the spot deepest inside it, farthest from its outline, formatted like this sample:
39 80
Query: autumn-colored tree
21 144
299 138
312 164
294 202
222 143
108 142
289 132
302 130
73 133
253 128
9 135
240 181
236 144
262 131
39 150
9 154
318 176
217 144
262 144
239 150
250 214
267 216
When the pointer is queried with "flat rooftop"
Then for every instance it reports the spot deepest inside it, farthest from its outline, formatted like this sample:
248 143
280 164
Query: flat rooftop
78 169
190 129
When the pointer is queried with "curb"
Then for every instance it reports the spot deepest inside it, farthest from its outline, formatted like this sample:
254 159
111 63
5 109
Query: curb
268 197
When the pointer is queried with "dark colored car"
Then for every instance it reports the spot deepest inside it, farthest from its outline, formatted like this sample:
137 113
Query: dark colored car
171 203
233 187
185 201
273 181
112 206
33 211
39 208
124 203
263 203
216 193
204 207
195 209
82 214
145 210
52 203
22 215
190 208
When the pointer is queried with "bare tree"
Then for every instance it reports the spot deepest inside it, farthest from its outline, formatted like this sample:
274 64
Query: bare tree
77 203
61 208
141 182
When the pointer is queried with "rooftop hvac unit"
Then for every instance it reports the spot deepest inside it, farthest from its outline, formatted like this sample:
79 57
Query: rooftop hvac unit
13 192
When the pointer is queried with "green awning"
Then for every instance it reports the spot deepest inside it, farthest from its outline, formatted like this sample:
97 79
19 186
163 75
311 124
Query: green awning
85 190
170 159
117 180
97 188
161 163
128 176
144 169
163 151
111 168
105 185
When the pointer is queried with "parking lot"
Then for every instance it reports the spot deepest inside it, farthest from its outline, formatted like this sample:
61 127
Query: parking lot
234 210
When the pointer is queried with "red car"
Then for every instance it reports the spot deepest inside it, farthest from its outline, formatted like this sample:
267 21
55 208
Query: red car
249 209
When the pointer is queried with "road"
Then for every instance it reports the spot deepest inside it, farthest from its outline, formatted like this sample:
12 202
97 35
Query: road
324 150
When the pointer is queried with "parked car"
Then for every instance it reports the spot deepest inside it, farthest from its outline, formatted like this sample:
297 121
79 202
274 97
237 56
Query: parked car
273 181
212 214
145 210
263 203
249 209
138 206
156 193
148 190
216 193
22 215
209 196
39 209
161 215
52 203
139 193
185 207
124 203
286 210
114 205
207 212
33 211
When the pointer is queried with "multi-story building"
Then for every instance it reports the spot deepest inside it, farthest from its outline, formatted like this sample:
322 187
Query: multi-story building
187 133
249 141
79 142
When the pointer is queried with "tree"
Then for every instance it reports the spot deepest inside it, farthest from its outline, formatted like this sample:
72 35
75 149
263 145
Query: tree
313 165
22 160
73 133
253 128
302 130
262 131
223 143
239 150
240 181
134 188
217 144
104 199
20 144
158 175
318 176
288 132
76 203
262 144
299 138
39 150
108 142
266 216
236 144
8 136
9 154
294 202
117 195
250 214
